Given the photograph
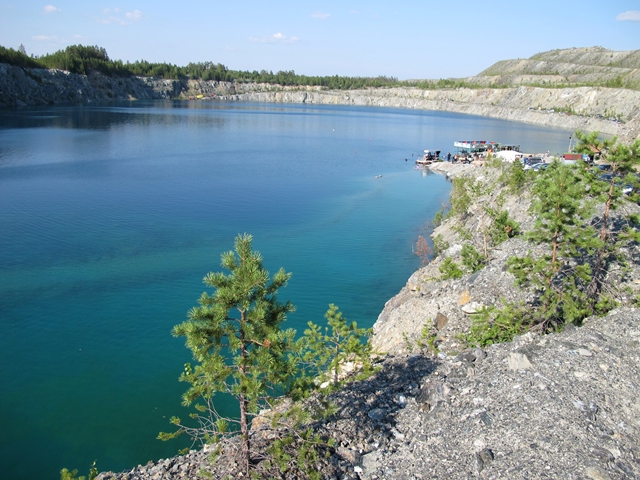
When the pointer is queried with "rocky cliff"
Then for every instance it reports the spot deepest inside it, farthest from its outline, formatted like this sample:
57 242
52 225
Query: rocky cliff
561 406
443 309
547 88
613 111
40 86
601 109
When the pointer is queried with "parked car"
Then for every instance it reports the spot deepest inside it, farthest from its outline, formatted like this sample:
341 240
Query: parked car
529 162
628 189
540 166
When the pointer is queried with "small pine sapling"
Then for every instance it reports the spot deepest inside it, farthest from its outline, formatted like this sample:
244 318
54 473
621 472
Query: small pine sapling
240 349
340 342
449 269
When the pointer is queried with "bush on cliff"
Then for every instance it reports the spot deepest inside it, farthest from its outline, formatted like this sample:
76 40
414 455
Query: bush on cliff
562 222
624 160
340 343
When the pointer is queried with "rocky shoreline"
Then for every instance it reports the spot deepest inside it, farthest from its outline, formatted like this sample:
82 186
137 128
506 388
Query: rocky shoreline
561 406
523 104
450 305
564 405
608 110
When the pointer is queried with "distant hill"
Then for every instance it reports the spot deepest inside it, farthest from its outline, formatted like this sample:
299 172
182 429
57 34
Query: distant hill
569 67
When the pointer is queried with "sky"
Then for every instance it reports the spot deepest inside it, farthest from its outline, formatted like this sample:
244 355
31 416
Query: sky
406 39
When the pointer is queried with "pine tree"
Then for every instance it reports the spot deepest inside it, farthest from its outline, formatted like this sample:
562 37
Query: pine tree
562 210
341 342
623 160
236 339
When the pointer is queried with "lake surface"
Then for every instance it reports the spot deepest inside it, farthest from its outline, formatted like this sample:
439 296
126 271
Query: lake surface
110 217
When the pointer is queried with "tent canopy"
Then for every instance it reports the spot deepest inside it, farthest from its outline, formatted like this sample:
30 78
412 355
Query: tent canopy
508 155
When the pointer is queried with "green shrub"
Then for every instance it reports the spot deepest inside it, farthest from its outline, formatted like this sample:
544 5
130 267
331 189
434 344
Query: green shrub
340 342
438 218
450 269
439 245
493 161
460 198
502 227
514 177
494 325
471 258
464 233
66 474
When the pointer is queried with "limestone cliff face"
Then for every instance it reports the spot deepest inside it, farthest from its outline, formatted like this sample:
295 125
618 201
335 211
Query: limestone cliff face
524 104
40 86
597 106
429 307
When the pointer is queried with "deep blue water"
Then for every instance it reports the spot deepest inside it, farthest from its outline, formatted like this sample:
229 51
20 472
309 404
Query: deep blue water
111 216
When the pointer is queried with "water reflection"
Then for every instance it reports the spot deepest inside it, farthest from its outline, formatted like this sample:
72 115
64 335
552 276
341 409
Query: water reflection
108 117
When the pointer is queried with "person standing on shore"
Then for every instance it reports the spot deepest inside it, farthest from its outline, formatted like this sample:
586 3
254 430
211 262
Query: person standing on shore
448 156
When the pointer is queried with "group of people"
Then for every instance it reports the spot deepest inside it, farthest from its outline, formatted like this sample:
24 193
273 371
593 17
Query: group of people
455 158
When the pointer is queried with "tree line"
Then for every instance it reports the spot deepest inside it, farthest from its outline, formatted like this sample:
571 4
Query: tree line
85 59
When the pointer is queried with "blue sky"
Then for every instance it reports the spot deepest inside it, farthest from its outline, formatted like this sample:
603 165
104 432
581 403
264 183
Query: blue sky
401 38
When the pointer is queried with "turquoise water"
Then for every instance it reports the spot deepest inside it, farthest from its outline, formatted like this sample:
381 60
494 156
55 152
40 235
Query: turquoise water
111 216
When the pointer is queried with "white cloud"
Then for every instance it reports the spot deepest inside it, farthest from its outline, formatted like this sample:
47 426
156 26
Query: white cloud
320 15
630 16
275 38
135 15
111 16
110 20
54 39
50 9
